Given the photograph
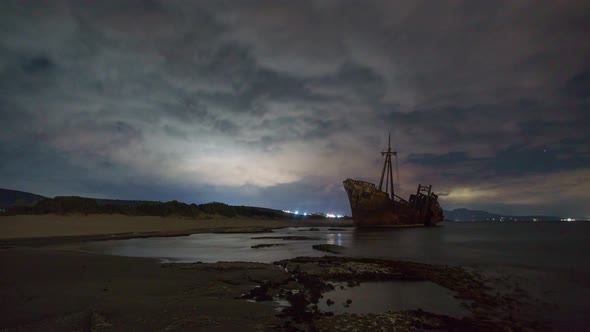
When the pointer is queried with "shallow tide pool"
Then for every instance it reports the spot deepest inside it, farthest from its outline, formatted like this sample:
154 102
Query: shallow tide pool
376 297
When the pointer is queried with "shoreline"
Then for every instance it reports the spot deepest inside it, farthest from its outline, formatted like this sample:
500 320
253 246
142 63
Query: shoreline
40 230
55 289
56 240
59 289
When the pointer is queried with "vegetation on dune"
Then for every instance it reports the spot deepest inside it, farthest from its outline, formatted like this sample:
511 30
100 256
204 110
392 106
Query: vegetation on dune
218 208
75 204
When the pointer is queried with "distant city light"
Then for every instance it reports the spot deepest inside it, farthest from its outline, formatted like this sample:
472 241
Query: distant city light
327 215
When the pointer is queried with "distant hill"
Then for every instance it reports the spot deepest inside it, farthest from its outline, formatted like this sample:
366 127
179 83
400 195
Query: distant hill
19 202
475 215
10 198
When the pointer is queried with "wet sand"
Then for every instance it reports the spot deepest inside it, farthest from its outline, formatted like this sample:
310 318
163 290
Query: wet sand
49 290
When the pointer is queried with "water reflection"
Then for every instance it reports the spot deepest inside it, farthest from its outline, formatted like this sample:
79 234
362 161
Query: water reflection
210 248
334 238
375 297
424 243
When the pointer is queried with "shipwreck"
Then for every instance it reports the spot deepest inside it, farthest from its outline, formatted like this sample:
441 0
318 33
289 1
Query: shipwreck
371 206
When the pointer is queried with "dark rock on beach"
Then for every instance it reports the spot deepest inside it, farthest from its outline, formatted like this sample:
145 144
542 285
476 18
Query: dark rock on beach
283 238
312 229
311 277
331 248
267 245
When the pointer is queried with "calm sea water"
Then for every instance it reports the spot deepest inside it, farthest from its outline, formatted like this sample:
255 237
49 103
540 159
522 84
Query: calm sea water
550 260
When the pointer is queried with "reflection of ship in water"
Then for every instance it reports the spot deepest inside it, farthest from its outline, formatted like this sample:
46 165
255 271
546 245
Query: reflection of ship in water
373 207
424 245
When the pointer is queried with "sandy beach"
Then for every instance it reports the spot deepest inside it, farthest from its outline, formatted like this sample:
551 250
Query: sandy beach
51 225
55 229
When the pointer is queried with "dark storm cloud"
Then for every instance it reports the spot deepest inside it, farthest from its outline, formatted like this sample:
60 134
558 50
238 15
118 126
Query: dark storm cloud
37 64
270 103
512 161
350 82
579 85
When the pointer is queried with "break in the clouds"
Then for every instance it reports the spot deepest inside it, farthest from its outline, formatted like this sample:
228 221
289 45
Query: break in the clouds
274 103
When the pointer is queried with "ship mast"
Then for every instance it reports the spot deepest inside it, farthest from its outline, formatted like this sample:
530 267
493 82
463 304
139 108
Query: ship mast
387 171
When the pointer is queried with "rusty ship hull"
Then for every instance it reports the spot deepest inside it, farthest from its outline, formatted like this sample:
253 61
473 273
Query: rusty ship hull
372 207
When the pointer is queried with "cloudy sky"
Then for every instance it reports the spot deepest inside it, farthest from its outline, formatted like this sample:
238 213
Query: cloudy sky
274 103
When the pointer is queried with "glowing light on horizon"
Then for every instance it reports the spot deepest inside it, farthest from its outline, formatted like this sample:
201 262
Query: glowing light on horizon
327 215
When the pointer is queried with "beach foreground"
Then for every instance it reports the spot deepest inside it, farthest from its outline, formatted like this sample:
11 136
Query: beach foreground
45 288
53 290
50 290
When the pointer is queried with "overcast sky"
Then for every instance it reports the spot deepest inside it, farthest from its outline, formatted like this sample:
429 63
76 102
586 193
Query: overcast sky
275 103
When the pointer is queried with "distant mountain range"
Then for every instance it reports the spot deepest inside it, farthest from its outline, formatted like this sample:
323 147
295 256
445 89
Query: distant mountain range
475 215
10 198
